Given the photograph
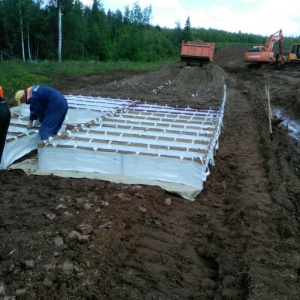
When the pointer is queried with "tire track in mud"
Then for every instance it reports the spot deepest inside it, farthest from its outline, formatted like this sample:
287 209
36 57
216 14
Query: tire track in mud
212 263
163 265
245 221
267 272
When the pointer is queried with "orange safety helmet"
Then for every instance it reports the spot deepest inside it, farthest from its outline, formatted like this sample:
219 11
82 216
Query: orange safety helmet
1 92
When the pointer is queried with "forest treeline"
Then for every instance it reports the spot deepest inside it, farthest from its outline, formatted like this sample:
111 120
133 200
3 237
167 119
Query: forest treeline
69 30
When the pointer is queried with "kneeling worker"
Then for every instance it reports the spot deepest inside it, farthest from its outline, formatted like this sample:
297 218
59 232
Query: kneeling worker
48 108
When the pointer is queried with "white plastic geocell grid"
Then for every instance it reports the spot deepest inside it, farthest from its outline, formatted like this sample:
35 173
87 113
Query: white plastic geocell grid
20 141
143 141
161 145
83 109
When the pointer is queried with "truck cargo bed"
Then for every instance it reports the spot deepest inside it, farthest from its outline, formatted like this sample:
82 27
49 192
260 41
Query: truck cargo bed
197 54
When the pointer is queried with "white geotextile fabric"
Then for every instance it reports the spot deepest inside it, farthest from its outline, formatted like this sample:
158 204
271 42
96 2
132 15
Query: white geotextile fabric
79 116
179 175
174 170
30 167
26 141
19 148
20 141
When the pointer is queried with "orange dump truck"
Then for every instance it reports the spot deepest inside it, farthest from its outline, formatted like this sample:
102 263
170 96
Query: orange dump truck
197 53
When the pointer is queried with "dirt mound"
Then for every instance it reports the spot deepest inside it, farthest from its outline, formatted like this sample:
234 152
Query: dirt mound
231 57
66 238
198 42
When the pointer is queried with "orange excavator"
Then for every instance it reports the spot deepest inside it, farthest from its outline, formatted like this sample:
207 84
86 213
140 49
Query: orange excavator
258 56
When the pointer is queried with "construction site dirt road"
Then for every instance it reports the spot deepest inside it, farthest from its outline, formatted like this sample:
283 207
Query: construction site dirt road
240 238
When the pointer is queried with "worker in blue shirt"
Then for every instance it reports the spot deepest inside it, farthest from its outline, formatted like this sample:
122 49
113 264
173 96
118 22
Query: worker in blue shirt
5 116
48 109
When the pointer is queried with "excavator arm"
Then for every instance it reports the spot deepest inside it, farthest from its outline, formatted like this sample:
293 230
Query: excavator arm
277 36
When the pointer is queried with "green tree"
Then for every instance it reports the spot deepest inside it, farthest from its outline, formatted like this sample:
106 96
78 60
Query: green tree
60 4
74 31
98 32
10 27
137 15
177 35
115 24
186 34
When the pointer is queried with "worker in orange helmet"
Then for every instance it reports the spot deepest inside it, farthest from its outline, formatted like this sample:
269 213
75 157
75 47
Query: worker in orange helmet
5 116
48 108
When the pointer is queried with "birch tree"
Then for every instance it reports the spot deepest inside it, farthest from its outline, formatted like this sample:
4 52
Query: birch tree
27 14
22 33
58 4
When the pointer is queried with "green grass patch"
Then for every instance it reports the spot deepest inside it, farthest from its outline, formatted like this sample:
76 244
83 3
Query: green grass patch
15 75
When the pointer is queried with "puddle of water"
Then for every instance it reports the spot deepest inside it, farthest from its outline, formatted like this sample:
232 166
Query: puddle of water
293 126
293 129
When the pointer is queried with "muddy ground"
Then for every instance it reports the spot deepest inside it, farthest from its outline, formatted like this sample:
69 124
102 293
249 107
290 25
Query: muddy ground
240 238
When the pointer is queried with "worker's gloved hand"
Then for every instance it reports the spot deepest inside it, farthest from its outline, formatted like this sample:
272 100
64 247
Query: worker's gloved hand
36 123
30 124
